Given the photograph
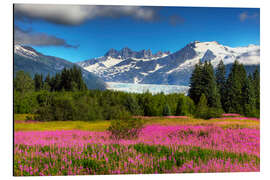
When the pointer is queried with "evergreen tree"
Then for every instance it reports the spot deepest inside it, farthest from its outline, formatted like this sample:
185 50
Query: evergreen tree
221 82
249 100
182 108
202 108
71 79
76 75
132 105
234 84
23 82
47 83
166 110
203 81
38 79
57 82
66 80
256 85
209 86
196 86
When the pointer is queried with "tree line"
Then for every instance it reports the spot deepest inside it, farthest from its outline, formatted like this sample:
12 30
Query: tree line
99 105
65 96
213 92
66 80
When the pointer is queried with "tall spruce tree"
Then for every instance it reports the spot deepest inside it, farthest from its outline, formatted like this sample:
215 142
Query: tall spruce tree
256 85
47 83
203 81
210 86
248 98
38 79
196 86
234 85
221 82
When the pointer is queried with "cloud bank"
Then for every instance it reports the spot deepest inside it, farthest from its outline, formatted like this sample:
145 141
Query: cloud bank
77 14
27 37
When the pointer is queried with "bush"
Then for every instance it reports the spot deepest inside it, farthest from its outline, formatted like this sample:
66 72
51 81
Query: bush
205 112
202 108
125 128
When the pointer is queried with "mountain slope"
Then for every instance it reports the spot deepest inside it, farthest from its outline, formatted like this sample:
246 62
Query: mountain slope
129 66
31 61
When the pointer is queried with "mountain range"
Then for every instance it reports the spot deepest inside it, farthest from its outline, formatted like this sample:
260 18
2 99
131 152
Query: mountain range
144 67
140 67
29 60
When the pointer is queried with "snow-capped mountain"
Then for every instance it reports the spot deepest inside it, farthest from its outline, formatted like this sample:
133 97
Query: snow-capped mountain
29 60
119 61
129 66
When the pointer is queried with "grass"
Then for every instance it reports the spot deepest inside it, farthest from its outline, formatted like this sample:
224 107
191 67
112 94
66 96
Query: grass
102 125
22 117
225 123
62 125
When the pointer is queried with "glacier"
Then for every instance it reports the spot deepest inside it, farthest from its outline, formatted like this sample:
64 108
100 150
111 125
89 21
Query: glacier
141 88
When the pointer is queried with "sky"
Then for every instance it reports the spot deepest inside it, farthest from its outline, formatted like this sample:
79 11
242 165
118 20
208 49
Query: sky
81 32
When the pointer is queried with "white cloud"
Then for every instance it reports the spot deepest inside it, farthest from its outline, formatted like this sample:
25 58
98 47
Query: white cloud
77 14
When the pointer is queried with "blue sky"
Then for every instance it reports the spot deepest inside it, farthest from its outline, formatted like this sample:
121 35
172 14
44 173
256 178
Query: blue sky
92 30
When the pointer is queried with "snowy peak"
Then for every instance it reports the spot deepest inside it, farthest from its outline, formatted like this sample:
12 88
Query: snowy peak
25 51
126 53
128 66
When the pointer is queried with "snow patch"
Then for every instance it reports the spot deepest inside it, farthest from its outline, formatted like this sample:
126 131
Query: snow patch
156 68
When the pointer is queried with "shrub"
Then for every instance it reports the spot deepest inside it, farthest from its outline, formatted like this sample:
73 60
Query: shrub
205 112
202 108
125 128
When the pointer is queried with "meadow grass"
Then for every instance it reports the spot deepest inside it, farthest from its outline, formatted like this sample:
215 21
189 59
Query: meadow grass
165 145
225 123
22 117
102 125
62 125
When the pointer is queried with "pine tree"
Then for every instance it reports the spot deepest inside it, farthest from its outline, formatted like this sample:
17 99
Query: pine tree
182 108
47 83
196 86
203 81
202 108
221 82
248 98
234 84
132 105
209 86
256 85
76 75
38 79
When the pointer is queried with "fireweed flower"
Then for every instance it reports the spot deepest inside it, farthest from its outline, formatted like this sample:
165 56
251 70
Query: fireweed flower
158 149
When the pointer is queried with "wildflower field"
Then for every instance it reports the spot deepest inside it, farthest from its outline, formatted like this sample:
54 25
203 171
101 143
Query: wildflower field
165 145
